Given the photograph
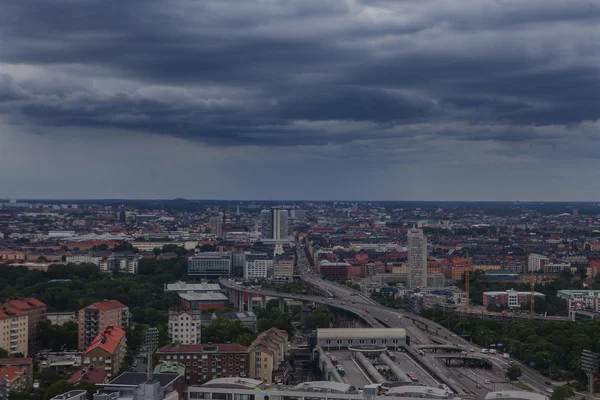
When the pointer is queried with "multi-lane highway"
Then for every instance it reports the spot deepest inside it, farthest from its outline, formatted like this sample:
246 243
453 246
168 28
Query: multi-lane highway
472 382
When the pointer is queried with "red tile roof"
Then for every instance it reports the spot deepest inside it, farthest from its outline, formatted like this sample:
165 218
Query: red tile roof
11 373
108 305
16 361
6 311
26 304
108 340
89 374
197 348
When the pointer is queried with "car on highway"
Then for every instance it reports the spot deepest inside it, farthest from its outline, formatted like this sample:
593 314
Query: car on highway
549 390
412 377
444 387
488 381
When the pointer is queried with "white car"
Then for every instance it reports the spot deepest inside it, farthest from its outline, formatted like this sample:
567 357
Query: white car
549 390
488 381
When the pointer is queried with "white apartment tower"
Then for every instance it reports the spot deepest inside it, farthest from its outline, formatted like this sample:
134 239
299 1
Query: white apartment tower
417 259
185 327
537 262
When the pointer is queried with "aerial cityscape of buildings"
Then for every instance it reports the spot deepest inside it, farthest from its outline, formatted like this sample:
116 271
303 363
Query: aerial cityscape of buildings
242 296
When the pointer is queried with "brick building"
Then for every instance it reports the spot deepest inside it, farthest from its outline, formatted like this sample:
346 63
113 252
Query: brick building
95 317
206 361
107 350
510 298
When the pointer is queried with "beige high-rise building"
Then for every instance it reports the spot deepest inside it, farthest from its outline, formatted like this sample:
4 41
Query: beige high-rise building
13 330
417 259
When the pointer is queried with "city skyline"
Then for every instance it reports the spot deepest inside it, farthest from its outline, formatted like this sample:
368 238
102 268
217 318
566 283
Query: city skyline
364 100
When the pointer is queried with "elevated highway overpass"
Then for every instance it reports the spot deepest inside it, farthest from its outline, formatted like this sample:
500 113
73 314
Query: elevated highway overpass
420 331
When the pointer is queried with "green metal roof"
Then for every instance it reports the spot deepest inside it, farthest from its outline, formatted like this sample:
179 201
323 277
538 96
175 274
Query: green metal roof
170 367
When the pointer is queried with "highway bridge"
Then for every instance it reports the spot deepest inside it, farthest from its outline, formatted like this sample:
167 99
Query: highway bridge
435 347
419 331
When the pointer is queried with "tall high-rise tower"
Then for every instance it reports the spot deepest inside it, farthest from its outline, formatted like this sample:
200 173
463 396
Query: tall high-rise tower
216 225
417 259
274 224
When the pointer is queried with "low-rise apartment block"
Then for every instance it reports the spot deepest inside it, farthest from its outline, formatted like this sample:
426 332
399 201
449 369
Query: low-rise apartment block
268 357
125 262
582 300
203 361
185 326
510 298
107 350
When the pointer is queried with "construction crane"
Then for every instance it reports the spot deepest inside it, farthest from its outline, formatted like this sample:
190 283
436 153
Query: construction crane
467 282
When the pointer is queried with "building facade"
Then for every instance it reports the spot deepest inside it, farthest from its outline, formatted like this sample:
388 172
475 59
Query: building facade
283 266
14 334
510 298
257 265
216 225
61 318
98 316
125 262
274 224
35 311
268 357
203 361
417 259
107 350
91 258
583 300
209 265
185 326
537 262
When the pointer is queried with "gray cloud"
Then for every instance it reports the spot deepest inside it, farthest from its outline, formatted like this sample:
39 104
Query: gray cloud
400 81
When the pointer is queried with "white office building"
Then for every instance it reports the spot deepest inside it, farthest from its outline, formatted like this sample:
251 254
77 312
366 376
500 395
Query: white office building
417 259
257 265
89 258
209 265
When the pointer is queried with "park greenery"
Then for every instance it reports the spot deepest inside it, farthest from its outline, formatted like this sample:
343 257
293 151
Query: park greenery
71 287
552 348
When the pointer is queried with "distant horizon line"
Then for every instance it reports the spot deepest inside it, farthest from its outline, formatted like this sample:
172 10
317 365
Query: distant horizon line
295 200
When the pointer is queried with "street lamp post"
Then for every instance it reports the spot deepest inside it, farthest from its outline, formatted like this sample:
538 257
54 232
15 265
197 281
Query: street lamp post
589 364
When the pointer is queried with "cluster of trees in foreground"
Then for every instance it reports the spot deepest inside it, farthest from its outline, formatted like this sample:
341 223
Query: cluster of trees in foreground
552 348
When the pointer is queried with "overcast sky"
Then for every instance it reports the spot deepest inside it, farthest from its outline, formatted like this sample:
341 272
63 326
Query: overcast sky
306 99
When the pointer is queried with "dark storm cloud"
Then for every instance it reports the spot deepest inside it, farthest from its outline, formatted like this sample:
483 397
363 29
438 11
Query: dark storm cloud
248 72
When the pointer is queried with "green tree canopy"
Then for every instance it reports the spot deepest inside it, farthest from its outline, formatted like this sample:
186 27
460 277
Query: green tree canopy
58 387
513 373
320 318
